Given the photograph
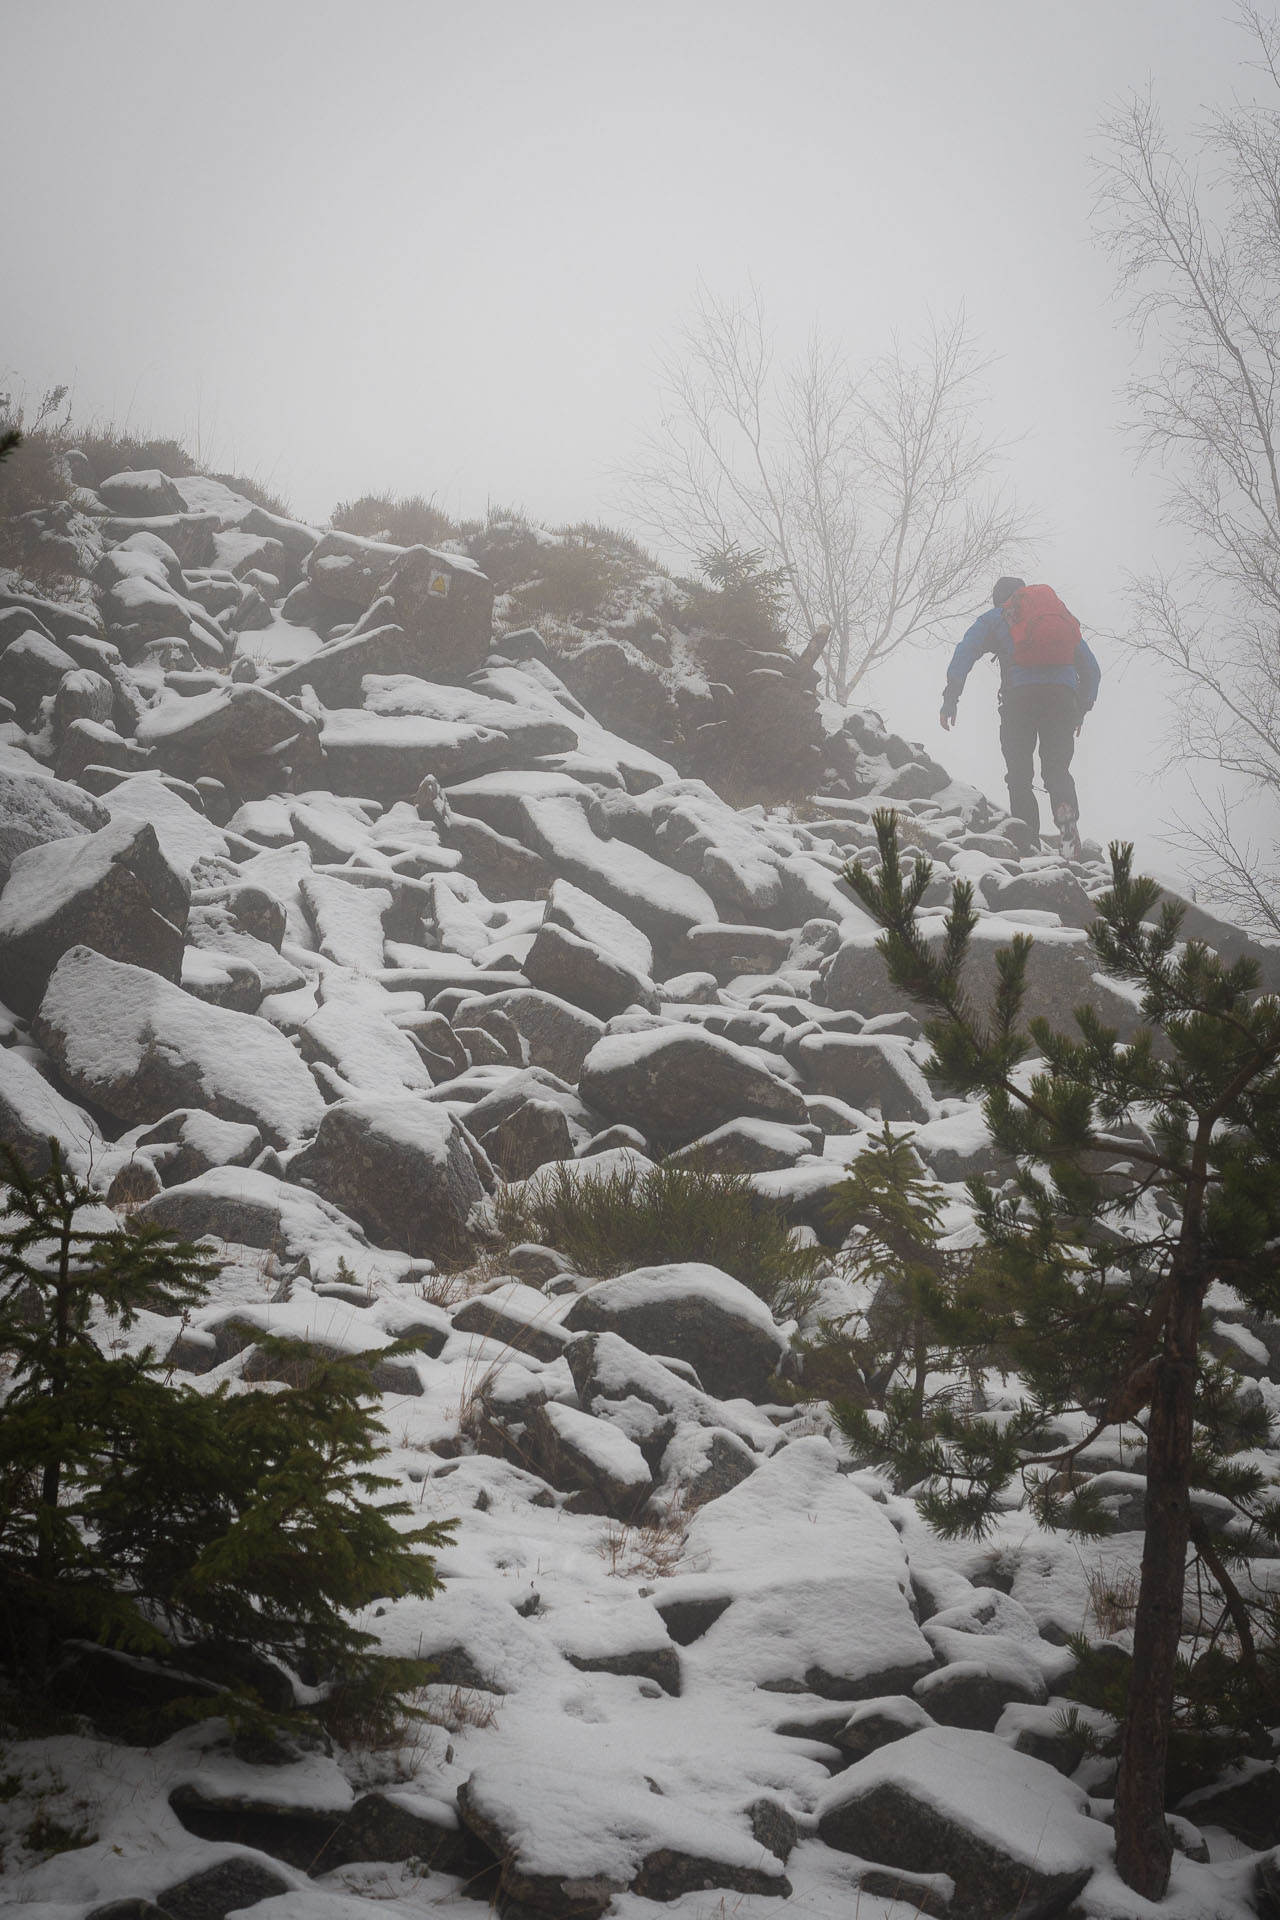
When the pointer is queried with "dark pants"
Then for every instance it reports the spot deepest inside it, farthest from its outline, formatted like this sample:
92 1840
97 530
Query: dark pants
1047 715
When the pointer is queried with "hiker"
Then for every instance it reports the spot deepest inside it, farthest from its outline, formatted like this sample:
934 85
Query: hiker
1048 682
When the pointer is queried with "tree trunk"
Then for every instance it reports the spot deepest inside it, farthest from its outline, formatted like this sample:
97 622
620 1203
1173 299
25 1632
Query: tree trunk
1143 1847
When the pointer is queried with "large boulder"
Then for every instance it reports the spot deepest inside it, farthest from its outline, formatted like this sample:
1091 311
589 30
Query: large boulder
35 808
112 890
556 1036
31 1111
1007 1829
872 1072
388 756
728 950
674 1083
31 670
577 970
441 601
571 1836
599 1466
406 1169
190 735
144 493
693 1312
136 1046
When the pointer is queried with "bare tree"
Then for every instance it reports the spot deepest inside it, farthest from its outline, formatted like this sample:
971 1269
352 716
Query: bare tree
1199 258
871 492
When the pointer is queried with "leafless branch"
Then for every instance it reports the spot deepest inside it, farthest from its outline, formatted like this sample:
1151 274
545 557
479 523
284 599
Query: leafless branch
873 492
1196 244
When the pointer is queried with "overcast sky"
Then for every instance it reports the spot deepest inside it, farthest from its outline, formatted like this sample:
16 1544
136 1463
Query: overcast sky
437 247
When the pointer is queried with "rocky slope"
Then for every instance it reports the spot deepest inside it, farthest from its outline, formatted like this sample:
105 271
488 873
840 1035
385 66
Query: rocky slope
330 903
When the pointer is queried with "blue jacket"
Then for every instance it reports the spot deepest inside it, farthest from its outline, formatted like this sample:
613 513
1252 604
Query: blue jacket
990 634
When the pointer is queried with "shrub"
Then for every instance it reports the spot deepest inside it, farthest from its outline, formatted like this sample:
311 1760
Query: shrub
109 449
406 520
506 544
575 576
149 1516
36 496
745 599
254 490
616 544
643 1216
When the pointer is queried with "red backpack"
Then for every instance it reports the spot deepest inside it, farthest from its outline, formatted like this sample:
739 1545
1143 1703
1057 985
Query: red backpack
1044 633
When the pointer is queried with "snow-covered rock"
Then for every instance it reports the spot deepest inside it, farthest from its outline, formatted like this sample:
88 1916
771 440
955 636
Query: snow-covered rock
693 1311
128 1042
405 1169
674 1083
1005 1828
112 890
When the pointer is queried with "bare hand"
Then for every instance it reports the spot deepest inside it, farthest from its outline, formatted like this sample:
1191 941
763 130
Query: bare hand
946 720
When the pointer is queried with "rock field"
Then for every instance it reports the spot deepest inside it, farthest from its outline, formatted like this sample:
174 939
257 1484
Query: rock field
331 900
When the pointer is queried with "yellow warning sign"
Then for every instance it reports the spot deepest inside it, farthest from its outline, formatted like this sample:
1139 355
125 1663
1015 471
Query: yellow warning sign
438 583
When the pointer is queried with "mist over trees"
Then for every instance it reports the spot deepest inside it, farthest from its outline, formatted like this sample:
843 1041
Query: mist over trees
1195 235
871 490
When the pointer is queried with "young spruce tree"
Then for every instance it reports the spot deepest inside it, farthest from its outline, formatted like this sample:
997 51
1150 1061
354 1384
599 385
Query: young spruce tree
1148 1170
160 1519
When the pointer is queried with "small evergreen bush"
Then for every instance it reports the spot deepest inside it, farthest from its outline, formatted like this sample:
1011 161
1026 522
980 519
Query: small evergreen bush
215 1527
746 600
1148 1173
633 1216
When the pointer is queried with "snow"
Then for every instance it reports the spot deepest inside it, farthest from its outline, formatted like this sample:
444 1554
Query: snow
45 881
609 1450
681 1280
581 913
586 1771
308 1228
187 839
1023 1807
347 918
30 1105
112 1018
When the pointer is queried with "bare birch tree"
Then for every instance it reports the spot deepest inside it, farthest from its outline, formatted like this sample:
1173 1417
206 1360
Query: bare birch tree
1199 258
872 491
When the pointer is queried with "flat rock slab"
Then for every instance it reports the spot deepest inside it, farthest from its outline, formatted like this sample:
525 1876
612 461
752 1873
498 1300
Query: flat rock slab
239 719
388 756
1006 1828
674 1083
131 1043
693 1311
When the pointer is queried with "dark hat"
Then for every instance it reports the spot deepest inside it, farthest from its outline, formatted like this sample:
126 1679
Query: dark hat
1005 587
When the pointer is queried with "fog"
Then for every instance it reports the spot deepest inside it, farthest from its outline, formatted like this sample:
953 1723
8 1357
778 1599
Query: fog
439 248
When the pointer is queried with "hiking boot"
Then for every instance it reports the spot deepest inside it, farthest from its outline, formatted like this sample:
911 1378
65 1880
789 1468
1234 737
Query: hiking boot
1069 841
